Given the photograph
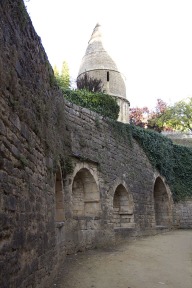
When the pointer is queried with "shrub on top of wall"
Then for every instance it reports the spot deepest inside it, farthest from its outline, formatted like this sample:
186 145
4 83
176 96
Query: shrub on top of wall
101 103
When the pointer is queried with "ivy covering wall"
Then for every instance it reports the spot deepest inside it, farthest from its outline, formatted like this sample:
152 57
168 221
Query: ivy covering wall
174 162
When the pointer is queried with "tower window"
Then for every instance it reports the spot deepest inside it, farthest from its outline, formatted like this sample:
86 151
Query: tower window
107 76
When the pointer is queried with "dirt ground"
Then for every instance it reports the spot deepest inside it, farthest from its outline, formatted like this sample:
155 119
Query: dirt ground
151 262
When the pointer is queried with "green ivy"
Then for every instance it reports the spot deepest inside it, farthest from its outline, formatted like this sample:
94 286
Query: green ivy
67 165
174 162
101 103
182 185
120 129
158 148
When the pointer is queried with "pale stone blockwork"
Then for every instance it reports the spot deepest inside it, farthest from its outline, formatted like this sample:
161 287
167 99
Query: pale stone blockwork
104 190
183 214
85 194
123 208
163 203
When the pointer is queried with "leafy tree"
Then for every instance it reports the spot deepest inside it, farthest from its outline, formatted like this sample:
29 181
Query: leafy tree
158 118
89 83
63 78
179 116
139 116
175 117
56 71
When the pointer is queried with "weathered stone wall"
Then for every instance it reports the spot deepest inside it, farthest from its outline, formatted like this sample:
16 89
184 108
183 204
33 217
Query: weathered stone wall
69 179
183 214
32 132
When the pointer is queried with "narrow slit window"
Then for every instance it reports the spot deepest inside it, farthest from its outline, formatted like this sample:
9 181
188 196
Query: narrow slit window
107 76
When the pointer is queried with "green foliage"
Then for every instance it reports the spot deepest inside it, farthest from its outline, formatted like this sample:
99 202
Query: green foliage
121 130
67 165
158 148
63 78
160 122
182 185
101 103
176 117
172 161
89 83
179 116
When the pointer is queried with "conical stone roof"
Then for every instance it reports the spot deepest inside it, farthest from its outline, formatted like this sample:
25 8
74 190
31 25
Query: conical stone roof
99 64
96 57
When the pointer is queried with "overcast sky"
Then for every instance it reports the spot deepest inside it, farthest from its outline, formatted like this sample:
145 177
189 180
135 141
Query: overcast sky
150 40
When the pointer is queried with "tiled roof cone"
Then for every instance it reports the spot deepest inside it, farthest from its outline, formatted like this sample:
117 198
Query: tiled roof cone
97 63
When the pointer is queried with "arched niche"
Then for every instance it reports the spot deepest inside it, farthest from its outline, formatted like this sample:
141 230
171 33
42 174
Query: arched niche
85 194
59 197
122 208
162 203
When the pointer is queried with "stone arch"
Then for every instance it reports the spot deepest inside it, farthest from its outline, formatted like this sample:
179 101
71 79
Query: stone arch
162 203
85 194
123 207
59 197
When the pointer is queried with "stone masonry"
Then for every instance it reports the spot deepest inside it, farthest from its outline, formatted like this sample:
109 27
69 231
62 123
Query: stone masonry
183 214
69 181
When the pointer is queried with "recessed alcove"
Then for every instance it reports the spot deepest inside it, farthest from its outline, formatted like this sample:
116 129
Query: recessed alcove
85 194
161 203
122 208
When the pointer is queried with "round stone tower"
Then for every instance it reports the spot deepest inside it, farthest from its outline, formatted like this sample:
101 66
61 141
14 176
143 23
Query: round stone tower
97 63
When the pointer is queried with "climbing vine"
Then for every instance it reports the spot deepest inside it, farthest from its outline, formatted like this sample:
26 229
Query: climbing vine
174 162
120 129
182 185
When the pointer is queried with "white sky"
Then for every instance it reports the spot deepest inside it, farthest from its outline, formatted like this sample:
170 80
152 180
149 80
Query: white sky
153 39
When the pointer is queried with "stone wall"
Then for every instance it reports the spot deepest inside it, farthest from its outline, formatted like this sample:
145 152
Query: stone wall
183 214
32 133
69 180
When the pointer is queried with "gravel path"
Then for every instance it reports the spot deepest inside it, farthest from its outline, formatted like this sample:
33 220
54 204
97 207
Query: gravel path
151 262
